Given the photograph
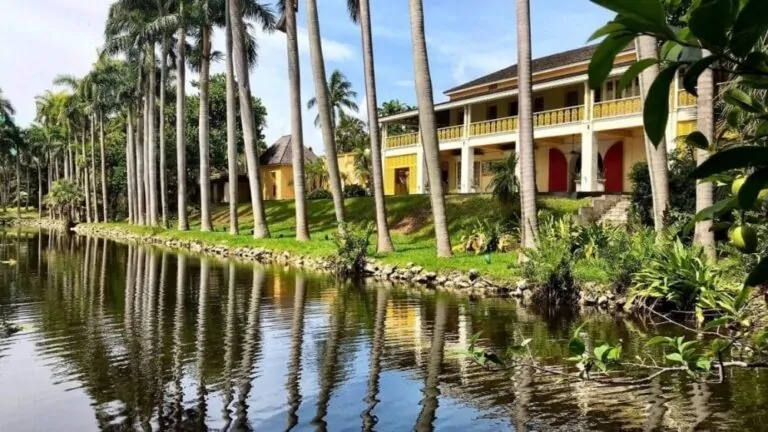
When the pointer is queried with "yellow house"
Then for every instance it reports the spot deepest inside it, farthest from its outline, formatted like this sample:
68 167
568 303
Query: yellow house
585 140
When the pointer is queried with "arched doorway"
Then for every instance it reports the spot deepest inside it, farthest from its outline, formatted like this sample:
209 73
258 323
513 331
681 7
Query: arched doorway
614 168
558 171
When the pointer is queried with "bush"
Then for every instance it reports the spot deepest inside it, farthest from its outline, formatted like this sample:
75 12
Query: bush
355 190
351 248
675 276
550 265
319 194
486 236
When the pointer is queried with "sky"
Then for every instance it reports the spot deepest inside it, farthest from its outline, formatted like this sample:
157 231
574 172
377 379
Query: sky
40 39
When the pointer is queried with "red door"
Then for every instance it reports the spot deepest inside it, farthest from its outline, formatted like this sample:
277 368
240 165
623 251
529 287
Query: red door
558 171
614 168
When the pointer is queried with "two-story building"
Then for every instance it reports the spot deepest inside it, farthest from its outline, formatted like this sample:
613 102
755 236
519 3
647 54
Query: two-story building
585 140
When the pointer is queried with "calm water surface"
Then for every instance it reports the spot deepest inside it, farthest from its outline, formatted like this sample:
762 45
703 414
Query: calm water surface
121 337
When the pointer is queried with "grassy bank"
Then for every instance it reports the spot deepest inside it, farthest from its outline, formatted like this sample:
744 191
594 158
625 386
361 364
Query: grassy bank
410 221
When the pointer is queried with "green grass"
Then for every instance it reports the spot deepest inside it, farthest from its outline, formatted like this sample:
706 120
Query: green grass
410 221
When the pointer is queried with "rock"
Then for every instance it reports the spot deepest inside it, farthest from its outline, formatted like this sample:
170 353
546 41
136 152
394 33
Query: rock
602 300
589 300
441 280
473 274
416 269
522 285
430 276
463 284
387 270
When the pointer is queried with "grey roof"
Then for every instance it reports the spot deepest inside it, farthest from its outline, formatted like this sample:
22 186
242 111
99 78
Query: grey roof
565 58
280 153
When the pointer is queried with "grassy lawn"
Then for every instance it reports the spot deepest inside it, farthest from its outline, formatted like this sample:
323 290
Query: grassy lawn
410 221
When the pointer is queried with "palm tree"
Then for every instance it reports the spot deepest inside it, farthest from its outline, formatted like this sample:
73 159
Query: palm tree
504 184
6 108
181 111
360 10
647 48
704 235
267 20
324 108
340 93
288 25
392 107
363 164
232 170
428 126
527 163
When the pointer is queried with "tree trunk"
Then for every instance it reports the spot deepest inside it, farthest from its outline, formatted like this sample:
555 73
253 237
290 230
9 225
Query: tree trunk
18 182
161 128
139 165
145 156
102 151
297 134
657 156
705 192
324 108
181 133
130 166
427 126
39 192
384 241
260 229
86 181
232 173
204 131
527 158
151 147
94 198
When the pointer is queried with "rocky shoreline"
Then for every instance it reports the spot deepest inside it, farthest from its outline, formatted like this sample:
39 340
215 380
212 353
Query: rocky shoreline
470 283
44 223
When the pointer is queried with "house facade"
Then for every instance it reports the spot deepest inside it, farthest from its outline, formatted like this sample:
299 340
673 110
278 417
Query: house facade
585 140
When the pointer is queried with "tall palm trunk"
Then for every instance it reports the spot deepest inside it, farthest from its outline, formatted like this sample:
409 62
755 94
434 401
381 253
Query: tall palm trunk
324 108
528 164
428 128
703 235
384 241
139 165
234 227
85 178
657 156
131 167
297 134
18 182
204 131
161 128
39 191
92 179
102 151
151 147
260 229
181 133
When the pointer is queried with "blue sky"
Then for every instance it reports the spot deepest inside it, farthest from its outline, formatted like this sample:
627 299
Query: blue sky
465 39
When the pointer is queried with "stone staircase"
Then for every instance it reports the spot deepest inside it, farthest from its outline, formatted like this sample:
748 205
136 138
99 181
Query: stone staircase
606 209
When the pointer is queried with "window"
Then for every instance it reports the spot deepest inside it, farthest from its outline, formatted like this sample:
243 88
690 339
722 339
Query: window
442 118
492 113
487 166
572 98
513 109
609 94
538 104
598 95
460 116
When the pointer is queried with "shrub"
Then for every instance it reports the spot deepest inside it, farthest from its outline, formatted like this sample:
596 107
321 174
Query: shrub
355 190
319 194
485 236
550 265
676 276
351 248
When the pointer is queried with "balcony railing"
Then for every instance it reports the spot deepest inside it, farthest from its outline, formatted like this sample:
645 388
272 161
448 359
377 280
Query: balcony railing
403 140
618 107
450 133
558 116
685 99
488 127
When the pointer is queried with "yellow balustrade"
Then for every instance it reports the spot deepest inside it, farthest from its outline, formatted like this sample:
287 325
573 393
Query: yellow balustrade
685 99
558 116
450 133
506 124
403 140
618 107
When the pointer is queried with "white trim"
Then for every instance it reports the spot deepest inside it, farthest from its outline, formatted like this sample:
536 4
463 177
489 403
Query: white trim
500 95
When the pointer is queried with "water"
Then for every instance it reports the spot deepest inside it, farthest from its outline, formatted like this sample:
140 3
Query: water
117 337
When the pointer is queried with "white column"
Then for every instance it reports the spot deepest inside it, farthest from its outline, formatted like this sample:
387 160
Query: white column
588 162
671 131
467 121
421 171
467 168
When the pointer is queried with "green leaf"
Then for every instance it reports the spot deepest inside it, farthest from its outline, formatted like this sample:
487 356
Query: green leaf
698 140
730 159
605 55
762 130
656 109
671 51
576 346
733 117
609 28
675 357
659 340
751 188
633 72
703 364
602 351
750 25
717 322
739 98
761 339
743 297
710 21
615 353
648 14
691 77
759 274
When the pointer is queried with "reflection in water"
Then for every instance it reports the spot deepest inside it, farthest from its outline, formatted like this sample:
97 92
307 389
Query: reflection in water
126 337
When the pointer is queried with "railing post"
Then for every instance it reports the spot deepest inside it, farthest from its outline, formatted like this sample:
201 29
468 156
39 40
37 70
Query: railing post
467 121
